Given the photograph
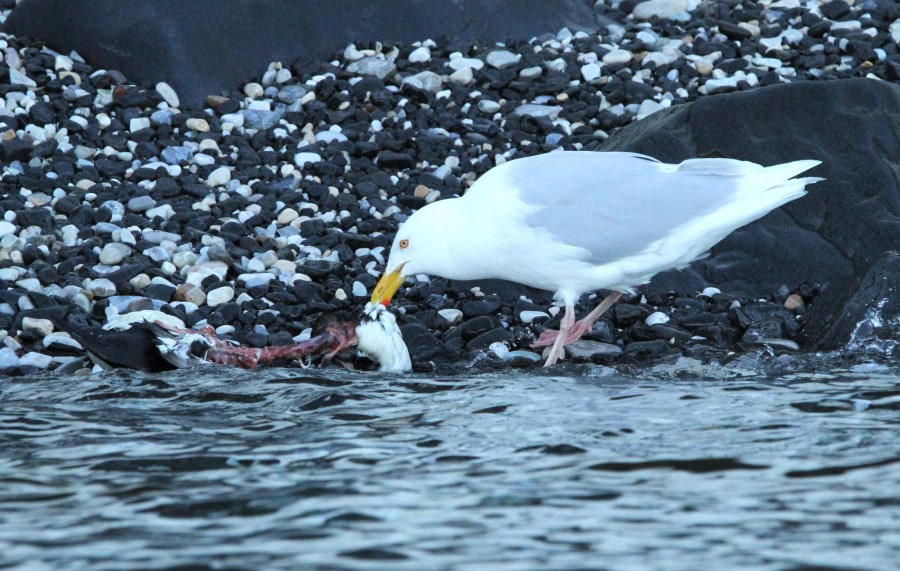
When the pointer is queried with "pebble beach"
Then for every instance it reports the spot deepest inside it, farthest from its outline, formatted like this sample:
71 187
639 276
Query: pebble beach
277 202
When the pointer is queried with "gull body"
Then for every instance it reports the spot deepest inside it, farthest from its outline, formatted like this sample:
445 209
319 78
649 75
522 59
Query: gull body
573 222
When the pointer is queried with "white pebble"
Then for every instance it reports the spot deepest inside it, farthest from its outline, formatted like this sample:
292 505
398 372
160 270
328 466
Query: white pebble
648 107
501 59
138 123
420 55
41 326
488 106
168 94
529 316
219 296
301 159
710 291
590 72
463 76
656 318
195 124
458 64
617 56
253 90
33 359
451 315
6 228
8 358
60 339
219 177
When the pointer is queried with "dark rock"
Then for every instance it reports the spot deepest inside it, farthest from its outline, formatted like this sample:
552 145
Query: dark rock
424 346
475 327
480 307
734 31
256 339
161 292
766 329
644 349
15 150
484 340
835 10
42 114
35 217
626 314
392 160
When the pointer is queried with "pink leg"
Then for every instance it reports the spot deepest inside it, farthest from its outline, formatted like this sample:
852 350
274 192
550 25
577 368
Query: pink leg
568 321
587 323
549 336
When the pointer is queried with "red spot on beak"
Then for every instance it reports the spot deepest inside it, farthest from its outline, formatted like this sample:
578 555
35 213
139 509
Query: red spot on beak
385 302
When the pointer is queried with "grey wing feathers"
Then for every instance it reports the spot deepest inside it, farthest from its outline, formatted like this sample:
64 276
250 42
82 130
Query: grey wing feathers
617 204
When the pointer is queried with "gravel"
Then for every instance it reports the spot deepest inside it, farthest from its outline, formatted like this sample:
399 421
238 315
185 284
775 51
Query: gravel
277 202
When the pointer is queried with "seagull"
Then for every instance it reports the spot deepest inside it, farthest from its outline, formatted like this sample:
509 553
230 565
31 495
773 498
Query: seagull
573 222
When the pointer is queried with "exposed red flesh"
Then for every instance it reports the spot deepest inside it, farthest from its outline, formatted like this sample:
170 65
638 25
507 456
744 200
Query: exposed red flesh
335 337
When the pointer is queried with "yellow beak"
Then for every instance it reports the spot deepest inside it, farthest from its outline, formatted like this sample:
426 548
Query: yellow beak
388 286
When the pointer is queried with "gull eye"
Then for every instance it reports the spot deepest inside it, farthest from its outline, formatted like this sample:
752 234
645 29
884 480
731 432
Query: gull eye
404 244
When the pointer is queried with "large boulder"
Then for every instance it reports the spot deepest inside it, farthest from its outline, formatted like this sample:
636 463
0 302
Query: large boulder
834 234
204 48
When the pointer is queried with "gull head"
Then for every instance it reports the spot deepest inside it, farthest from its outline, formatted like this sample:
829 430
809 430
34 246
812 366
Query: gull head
421 246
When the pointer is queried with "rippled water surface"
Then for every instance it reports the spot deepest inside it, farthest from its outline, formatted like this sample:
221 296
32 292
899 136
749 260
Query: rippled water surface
291 468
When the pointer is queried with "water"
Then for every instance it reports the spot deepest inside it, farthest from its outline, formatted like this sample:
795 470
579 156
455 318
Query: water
291 468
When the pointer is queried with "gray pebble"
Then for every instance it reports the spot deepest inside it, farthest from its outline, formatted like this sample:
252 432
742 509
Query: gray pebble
141 203
291 93
260 119
175 155
162 117
531 72
488 106
255 279
425 80
586 349
157 236
535 110
378 67
102 287
501 59
157 254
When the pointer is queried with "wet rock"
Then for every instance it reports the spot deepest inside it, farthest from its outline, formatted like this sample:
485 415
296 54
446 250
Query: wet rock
591 350
486 339
424 346
867 314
